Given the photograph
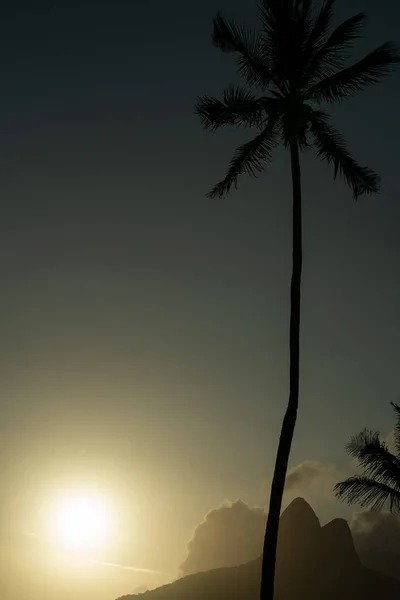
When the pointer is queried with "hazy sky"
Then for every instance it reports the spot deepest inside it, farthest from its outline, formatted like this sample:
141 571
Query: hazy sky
144 328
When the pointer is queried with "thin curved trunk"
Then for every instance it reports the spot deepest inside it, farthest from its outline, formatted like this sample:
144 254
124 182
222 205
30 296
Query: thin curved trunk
289 421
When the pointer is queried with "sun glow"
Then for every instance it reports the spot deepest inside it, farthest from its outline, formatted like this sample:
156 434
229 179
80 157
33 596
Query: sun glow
82 522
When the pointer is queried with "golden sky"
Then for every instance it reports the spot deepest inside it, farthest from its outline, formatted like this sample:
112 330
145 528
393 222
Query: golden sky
143 329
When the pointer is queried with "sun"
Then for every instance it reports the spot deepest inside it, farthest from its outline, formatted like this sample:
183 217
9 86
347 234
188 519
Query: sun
82 522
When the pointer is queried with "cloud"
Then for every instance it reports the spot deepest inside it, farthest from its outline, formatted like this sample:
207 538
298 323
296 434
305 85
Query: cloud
311 475
127 567
231 534
26 545
141 589
377 540
37 542
314 481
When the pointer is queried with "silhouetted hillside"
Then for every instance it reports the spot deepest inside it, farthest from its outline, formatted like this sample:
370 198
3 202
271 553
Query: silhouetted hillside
313 563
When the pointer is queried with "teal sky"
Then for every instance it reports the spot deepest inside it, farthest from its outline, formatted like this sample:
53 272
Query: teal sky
144 328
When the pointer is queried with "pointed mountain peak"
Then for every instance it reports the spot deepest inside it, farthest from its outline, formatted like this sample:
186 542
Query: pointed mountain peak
299 536
299 514
338 540
338 527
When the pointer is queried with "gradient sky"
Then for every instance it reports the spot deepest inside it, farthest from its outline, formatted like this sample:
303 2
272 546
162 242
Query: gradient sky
144 328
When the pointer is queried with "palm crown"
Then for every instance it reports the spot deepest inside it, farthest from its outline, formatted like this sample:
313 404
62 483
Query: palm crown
379 482
296 62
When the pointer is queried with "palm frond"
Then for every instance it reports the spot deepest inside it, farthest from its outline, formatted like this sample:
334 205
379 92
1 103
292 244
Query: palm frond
362 444
334 52
229 37
375 458
277 14
367 492
368 71
397 428
301 30
277 20
319 31
343 37
237 107
331 147
249 158
302 8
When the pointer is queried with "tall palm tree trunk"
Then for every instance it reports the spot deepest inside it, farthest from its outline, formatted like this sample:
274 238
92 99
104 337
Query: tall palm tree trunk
289 422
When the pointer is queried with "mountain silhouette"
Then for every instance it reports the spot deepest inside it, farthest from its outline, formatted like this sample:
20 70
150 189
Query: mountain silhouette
313 562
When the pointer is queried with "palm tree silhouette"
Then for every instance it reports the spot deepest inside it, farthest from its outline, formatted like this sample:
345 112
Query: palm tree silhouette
296 63
379 483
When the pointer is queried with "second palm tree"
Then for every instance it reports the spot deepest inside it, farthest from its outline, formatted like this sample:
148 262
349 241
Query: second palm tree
379 483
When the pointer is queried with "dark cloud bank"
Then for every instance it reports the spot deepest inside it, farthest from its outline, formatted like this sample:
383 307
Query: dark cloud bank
233 534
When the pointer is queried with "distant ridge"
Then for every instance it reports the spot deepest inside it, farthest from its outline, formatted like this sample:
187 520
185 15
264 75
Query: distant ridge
313 563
